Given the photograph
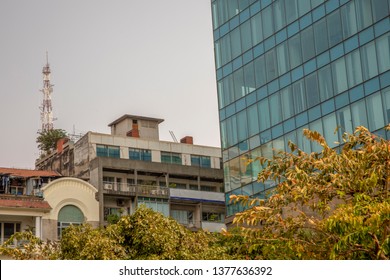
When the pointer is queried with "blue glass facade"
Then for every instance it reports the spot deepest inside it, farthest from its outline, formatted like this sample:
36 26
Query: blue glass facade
286 65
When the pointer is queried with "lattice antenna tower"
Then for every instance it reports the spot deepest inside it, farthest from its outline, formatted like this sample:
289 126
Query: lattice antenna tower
46 108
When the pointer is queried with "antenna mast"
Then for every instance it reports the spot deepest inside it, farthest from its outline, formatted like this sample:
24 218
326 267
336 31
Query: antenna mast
46 108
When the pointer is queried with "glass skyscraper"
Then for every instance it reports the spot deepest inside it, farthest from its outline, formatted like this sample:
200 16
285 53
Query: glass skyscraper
286 65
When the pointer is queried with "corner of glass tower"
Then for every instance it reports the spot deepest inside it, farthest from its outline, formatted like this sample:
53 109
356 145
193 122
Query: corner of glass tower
286 65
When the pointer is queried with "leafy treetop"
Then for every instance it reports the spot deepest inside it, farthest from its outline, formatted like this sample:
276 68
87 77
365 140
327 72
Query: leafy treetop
332 204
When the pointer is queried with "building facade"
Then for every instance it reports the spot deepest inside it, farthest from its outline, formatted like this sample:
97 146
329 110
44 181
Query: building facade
131 167
286 65
44 202
21 200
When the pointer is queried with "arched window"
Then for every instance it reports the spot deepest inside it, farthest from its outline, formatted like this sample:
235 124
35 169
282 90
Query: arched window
69 215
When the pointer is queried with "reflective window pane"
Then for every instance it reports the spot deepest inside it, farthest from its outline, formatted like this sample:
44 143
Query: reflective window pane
249 75
246 37
235 42
276 114
225 49
339 76
232 8
291 10
348 18
214 10
242 126
330 132
325 83
334 28
369 62
375 112
383 52
287 103
256 27
260 71
279 14
303 7
363 12
321 41
264 118
294 45
312 92
299 97
354 68
282 57
359 115
386 103
253 120
271 63
266 15
239 87
380 9
344 121
222 11
307 38
231 129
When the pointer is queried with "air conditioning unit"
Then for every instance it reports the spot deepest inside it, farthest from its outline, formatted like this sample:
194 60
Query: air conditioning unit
108 186
120 202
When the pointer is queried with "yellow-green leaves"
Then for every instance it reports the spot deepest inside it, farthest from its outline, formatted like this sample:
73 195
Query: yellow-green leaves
332 204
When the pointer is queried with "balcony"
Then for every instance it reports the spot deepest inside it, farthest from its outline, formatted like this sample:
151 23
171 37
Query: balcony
197 195
135 190
195 225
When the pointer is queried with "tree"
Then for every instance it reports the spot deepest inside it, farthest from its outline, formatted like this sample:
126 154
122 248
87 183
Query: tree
332 204
47 140
149 235
144 235
86 243
29 247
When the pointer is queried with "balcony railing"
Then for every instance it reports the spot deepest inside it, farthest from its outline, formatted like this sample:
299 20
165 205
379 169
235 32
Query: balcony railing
197 195
135 190
205 225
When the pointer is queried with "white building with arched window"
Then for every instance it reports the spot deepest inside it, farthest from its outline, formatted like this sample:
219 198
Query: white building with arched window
73 202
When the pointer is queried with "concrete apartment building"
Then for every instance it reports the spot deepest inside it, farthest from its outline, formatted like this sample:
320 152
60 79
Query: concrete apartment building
131 166
286 65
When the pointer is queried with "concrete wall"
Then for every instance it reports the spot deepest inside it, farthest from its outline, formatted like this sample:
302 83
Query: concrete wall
62 162
213 227
148 129
82 154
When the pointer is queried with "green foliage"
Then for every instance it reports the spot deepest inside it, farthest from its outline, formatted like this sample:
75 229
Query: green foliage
150 235
47 140
144 235
113 218
87 243
29 247
326 205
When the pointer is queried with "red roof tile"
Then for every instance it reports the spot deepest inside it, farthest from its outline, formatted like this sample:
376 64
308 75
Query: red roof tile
26 173
30 203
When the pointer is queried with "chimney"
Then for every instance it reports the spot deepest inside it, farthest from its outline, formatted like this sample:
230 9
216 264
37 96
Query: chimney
134 132
60 144
187 140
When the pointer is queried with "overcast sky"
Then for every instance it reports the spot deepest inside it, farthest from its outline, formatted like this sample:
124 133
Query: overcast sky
108 58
